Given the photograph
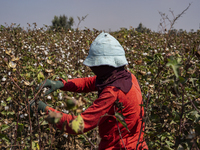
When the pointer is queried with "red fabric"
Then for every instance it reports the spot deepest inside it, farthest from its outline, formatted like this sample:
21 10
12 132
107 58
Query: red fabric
108 129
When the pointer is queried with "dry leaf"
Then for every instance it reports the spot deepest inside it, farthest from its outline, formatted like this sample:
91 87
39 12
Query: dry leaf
8 52
15 58
26 83
49 70
49 61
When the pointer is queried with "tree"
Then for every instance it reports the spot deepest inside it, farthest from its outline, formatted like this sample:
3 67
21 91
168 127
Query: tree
62 22
142 29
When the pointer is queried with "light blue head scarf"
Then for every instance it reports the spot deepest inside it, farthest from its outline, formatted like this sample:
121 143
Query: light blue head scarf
105 50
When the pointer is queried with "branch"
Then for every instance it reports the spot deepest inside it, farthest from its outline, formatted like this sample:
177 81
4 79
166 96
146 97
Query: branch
81 19
143 120
178 16
119 130
15 83
89 140
189 99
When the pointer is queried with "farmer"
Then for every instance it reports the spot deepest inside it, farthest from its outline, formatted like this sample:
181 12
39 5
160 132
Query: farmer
118 91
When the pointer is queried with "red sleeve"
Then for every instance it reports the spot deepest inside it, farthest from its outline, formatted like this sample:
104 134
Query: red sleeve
92 115
80 85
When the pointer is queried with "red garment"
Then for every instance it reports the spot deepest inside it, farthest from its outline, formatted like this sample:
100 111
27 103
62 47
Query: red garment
108 129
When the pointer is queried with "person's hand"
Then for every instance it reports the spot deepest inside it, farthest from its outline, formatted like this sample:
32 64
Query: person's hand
52 85
53 117
41 106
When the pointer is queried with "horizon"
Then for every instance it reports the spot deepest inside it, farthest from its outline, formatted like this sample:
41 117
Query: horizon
104 15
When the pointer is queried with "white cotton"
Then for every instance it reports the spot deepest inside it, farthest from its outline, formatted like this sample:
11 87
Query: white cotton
69 76
65 135
81 60
48 97
144 54
45 52
148 72
65 111
22 116
3 79
6 107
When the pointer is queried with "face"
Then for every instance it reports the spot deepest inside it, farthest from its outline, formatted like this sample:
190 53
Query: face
102 71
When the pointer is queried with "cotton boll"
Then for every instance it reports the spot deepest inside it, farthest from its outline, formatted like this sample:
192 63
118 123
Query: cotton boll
45 52
62 105
65 111
6 122
22 116
49 97
41 64
3 79
69 76
144 54
44 90
6 107
148 73
65 135
60 97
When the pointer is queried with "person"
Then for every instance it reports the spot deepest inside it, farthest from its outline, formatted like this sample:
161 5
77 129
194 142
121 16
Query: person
118 91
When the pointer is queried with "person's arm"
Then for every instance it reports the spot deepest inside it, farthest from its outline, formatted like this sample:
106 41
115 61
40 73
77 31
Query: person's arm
80 85
91 116
74 85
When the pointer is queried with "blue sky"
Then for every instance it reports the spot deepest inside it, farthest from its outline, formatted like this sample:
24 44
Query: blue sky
102 14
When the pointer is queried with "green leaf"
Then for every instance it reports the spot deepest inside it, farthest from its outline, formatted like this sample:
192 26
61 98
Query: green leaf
9 98
196 115
169 143
35 145
121 118
44 123
40 77
7 113
193 81
4 127
77 124
180 147
3 104
4 137
182 80
175 66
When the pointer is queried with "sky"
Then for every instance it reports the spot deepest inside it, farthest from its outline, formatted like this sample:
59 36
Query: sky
107 15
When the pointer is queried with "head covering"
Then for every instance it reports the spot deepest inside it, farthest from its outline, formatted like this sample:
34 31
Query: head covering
105 50
119 78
